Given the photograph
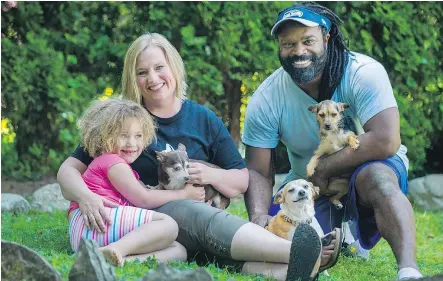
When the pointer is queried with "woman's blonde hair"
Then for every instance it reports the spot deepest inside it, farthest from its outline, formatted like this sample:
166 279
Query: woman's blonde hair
101 124
130 88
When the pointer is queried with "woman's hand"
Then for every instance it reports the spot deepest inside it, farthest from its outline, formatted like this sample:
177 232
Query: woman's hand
94 213
194 192
200 174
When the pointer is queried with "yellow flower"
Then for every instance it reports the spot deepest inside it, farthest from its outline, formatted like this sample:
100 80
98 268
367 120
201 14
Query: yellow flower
5 127
108 92
243 89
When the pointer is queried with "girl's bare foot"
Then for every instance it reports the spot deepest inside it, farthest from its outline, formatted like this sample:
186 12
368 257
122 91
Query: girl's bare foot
112 256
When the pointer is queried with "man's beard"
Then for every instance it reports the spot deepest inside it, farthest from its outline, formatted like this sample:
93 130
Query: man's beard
304 75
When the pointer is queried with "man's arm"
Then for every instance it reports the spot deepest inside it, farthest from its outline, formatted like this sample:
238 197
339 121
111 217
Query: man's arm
261 176
380 141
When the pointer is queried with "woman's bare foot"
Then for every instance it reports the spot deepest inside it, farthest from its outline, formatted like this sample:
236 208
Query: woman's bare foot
112 256
328 250
326 253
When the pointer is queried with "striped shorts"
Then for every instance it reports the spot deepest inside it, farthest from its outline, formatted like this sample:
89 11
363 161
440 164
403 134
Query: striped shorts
124 220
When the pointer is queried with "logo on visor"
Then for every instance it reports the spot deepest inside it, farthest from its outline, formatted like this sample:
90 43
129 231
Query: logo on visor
295 13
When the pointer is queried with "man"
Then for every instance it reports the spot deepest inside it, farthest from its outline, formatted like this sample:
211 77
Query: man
316 65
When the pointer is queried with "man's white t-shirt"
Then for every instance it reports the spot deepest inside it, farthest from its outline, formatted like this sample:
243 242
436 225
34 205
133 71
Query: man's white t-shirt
278 110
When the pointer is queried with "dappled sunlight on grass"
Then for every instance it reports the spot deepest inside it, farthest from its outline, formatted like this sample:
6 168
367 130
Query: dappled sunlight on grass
48 235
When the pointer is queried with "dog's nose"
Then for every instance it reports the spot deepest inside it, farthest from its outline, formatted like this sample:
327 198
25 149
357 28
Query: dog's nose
186 178
301 193
327 126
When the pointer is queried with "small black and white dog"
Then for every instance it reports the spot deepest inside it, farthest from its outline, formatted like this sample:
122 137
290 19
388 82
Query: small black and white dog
173 174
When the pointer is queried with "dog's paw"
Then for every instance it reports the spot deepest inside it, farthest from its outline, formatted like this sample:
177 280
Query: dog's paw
353 142
156 187
337 204
310 170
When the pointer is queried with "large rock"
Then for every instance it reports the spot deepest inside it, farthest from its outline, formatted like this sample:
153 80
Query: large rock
90 264
166 273
49 198
22 263
14 203
427 192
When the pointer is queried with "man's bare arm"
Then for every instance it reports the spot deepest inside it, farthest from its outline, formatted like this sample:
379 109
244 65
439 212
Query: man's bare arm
380 140
261 176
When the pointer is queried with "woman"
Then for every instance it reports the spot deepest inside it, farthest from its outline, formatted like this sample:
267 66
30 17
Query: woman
154 76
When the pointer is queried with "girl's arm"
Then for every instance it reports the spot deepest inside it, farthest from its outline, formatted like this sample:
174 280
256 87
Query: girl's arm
230 183
74 188
122 178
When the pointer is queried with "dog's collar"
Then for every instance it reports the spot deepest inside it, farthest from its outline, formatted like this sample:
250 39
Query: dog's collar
293 222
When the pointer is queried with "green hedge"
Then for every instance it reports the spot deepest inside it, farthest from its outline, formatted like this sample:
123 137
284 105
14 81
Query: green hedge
58 56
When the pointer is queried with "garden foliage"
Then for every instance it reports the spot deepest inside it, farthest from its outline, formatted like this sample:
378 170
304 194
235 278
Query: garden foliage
58 56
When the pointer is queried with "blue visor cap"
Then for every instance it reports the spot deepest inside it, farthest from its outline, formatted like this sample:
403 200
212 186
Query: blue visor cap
303 16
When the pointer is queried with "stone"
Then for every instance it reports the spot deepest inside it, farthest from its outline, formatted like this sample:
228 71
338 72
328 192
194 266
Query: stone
49 198
90 264
22 263
166 273
427 192
14 203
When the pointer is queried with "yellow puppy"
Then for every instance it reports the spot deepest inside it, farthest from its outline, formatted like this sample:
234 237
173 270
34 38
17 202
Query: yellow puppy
296 201
333 137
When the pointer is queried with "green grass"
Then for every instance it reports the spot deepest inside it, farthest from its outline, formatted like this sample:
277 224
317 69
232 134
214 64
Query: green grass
47 234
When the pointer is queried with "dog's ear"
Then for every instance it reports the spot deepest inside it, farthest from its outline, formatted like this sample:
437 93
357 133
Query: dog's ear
181 147
313 108
160 156
315 190
342 106
279 198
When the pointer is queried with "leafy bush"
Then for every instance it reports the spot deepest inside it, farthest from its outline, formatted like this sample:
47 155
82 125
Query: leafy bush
58 56
405 38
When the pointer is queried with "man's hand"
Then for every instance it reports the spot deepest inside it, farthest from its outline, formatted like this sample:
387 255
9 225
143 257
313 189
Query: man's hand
318 179
261 220
94 213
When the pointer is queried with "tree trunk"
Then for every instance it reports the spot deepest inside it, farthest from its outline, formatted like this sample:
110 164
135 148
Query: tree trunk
233 98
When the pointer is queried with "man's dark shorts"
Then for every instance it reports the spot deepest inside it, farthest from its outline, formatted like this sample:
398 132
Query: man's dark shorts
329 217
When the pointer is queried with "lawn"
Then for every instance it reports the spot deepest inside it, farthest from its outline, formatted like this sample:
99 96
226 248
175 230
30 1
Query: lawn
47 234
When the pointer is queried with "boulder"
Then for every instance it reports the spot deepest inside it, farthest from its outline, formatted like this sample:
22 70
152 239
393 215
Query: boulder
22 263
166 273
14 203
90 264
427 192
49 198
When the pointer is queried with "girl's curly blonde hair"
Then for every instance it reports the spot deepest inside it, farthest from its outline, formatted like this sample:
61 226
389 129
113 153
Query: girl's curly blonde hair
101 124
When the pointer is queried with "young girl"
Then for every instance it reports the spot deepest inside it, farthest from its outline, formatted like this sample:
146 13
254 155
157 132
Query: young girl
115 132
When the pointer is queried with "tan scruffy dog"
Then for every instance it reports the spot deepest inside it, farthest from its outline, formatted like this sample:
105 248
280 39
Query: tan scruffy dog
333 137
